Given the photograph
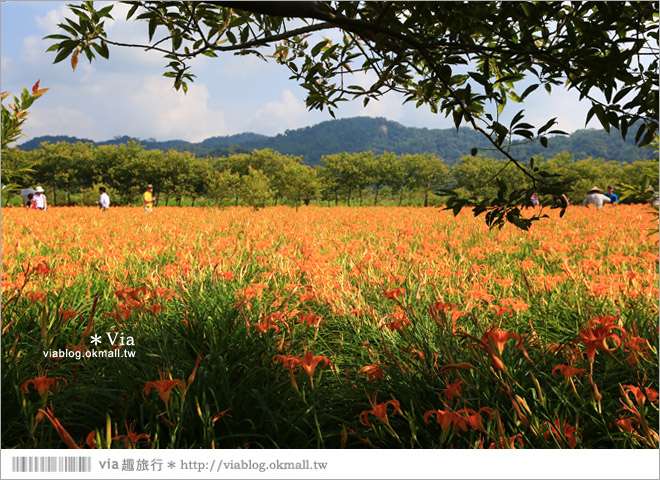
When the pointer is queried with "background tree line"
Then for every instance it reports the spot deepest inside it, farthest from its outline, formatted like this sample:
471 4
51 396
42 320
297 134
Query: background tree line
380 135
72 172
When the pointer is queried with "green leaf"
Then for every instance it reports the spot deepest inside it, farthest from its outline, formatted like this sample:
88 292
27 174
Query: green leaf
549 124
602 117
132 10
544 142
105 53
153 23
457 118
514 77
518 116
529 90
105 12
501 131
623 127
57 36
317 48
64 53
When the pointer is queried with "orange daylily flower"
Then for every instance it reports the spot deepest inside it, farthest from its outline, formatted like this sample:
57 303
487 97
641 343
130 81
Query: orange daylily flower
43 384
445 419
91 443
652 395
309 363
400 320
453 390
495 339
265 327
509 442
219 415
67 314
473 418
287 360
626 424
636 347
595 337
562 430
42 268
437 308
568 371
374 372
379 410
156 309
498 338
461 419
395 293
163 387
640 394
131 439
499 311
36 297
311 320
64 435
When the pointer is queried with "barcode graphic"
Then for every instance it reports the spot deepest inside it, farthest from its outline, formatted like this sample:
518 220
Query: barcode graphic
51 464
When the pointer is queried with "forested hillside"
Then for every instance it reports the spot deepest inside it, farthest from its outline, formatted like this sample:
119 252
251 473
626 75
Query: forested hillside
378 135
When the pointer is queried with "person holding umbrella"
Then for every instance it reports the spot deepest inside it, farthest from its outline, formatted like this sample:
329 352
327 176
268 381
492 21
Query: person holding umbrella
27 194
39 199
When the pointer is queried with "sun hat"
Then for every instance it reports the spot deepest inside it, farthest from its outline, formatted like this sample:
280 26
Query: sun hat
595 190
150 186
39 190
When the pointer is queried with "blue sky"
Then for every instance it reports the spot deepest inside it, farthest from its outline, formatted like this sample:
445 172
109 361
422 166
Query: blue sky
128 95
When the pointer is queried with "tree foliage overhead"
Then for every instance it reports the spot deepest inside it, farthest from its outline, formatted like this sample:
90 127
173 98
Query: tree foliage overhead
13 119
464 60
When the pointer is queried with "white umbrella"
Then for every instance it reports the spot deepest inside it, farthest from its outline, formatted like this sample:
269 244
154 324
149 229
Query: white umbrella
25 192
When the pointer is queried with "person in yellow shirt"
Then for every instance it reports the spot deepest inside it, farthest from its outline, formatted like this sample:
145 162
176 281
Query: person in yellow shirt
149 199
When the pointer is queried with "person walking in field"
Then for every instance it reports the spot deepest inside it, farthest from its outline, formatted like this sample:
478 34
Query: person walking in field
104 200
595 197
39 199
149 199
614 198
560 200
535 199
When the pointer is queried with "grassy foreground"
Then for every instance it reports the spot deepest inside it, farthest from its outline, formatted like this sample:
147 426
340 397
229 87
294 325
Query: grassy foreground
328 328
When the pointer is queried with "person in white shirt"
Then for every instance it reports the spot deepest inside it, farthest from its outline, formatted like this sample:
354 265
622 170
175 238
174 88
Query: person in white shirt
39 199
104 200
595 197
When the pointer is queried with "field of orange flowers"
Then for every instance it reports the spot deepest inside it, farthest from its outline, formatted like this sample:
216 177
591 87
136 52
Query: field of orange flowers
328 328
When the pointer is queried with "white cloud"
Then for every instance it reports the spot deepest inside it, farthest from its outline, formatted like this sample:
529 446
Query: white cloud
6 63
160 111
570 112
388 106
33 51
59 120
277 116
48 22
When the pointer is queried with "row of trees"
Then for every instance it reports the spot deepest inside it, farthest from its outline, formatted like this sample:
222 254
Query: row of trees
71 173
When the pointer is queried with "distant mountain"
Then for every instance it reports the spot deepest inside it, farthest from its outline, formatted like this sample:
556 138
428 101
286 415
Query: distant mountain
378 134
